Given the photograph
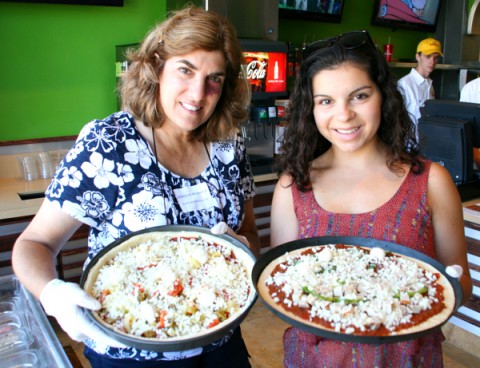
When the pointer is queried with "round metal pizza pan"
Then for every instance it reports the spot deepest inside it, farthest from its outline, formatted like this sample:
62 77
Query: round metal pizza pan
279 251
179 343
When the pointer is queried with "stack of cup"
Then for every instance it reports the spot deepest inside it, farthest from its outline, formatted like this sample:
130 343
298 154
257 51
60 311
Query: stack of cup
45 165
29 167
56 158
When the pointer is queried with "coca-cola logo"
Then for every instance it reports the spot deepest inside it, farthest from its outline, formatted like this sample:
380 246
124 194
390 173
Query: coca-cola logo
257 69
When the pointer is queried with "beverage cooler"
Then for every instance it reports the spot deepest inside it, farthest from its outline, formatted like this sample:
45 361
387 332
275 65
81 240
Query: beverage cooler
266 70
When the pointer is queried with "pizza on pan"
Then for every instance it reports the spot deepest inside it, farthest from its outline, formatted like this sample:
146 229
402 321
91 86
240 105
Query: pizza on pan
168 285
353 290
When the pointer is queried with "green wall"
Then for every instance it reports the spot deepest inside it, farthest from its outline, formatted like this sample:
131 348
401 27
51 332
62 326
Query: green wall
57 64
57 69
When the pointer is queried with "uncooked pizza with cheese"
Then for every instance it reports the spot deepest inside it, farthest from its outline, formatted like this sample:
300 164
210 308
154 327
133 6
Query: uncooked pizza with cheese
356 290
167 285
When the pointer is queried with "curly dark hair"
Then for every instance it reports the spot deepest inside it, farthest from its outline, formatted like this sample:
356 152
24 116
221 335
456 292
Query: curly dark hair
302 142
184 31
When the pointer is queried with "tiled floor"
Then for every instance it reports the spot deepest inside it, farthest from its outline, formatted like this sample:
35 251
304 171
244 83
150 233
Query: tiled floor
262 325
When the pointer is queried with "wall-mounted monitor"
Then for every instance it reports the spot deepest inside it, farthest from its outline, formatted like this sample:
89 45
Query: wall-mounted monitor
75 2
317 10
266 68
421 15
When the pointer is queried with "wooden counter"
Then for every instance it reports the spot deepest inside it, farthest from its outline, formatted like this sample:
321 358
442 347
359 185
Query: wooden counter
12 206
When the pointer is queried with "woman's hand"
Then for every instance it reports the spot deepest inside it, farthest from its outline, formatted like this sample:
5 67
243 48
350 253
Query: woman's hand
64 301
223 228
455 271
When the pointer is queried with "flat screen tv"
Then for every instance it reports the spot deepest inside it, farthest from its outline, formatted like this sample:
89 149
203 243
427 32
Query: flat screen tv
75 2
266 68
421 15
318 10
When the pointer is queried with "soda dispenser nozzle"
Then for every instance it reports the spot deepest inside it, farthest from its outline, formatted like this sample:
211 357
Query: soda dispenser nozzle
259 117
272 119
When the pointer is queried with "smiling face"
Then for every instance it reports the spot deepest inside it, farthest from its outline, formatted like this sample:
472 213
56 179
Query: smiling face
190 88
347 107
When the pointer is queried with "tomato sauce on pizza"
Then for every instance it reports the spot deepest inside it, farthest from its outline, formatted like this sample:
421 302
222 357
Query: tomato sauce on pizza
357 291
162 285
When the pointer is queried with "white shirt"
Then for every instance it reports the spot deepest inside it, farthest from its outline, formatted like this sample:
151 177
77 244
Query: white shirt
471 91
415 90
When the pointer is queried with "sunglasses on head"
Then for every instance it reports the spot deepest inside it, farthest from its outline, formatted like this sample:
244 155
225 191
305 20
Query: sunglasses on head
349 41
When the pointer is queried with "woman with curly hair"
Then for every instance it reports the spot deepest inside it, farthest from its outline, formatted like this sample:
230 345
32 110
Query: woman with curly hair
352 168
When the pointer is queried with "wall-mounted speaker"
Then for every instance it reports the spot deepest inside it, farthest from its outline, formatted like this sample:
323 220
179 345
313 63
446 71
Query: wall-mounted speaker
251 18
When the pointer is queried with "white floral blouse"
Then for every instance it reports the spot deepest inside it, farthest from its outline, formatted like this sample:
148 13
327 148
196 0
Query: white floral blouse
110 181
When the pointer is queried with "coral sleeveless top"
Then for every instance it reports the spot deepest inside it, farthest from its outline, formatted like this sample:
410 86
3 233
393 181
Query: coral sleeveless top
404 219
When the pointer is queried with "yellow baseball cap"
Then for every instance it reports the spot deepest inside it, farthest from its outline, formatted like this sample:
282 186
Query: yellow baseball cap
429 46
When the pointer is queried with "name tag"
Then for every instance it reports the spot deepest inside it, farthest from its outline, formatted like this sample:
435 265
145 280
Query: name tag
194 198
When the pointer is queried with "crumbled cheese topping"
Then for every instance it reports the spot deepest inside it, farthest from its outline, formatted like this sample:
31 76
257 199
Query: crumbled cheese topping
354 289
171 288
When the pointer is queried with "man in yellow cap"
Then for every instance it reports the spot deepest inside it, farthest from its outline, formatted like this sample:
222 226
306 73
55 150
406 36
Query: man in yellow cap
416 87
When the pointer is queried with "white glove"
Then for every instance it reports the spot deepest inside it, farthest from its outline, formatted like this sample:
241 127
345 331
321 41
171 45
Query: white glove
455 271
223 228
63 300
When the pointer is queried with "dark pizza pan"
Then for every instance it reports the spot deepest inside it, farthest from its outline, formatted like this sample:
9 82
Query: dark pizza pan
279 251
178 343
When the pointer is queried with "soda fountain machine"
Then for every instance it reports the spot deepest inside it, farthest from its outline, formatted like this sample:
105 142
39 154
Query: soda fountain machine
266 70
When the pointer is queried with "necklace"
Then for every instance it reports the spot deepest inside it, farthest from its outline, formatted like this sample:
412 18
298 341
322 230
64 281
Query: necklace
165 213
216 191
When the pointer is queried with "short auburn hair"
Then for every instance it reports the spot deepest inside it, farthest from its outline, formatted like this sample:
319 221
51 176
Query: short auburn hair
182 32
